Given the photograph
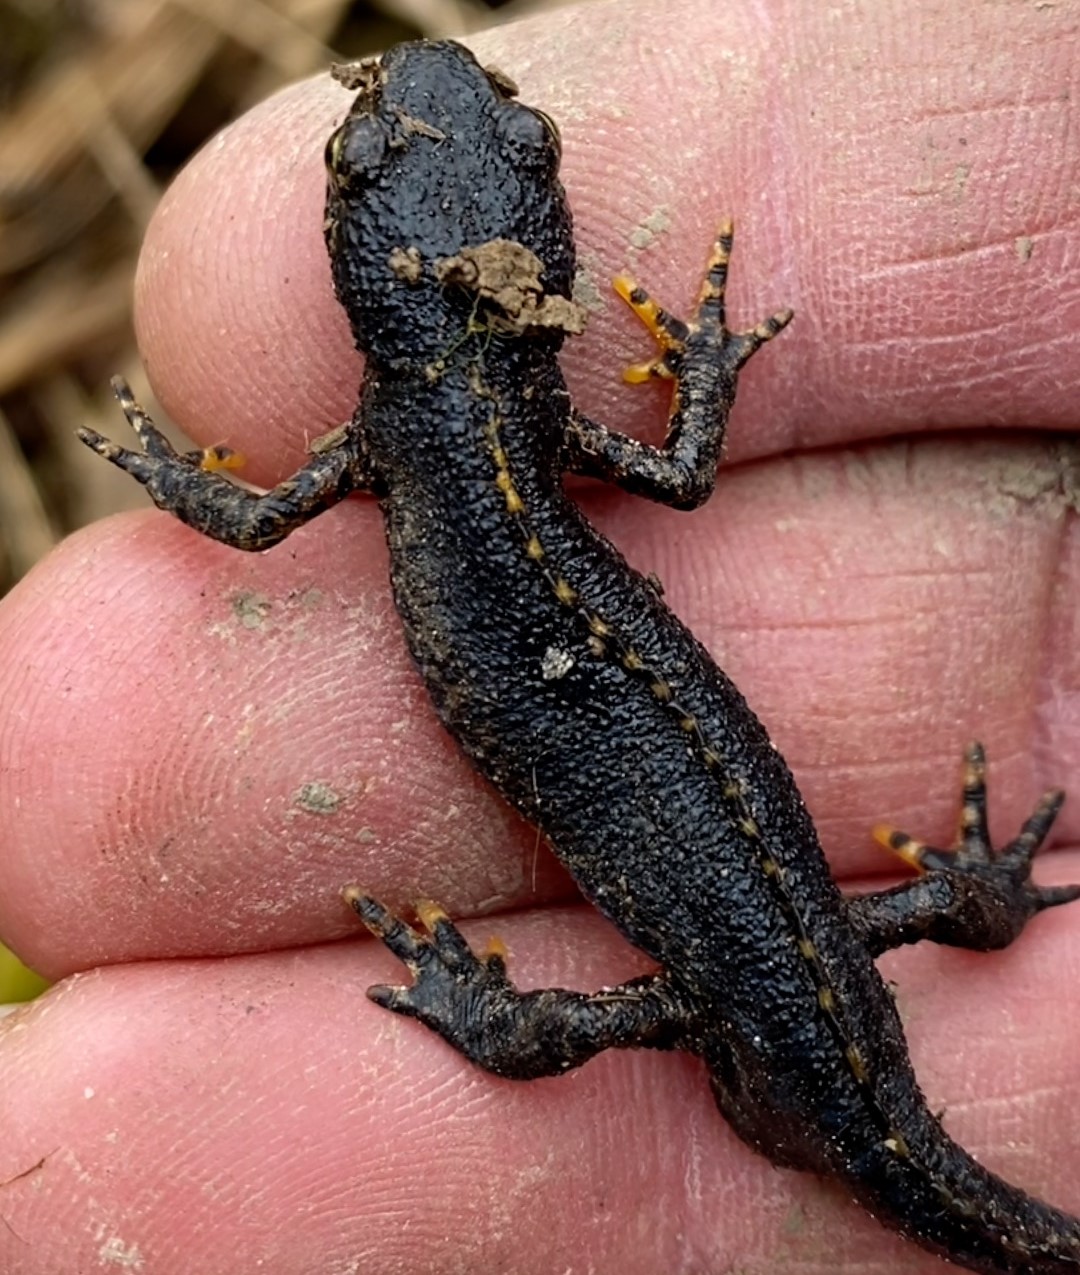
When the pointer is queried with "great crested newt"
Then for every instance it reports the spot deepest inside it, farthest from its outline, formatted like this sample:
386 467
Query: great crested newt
571 685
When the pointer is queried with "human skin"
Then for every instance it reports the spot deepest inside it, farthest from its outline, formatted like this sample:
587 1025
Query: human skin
199 748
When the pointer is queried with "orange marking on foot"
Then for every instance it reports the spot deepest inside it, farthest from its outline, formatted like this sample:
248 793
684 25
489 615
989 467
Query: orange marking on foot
774 325
430 914
970 817
721 249
213 459
640 302
639 373
652 315
974 772
496 947
900 844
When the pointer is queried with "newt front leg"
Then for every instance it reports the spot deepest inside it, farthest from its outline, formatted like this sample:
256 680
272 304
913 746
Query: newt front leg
701 359
184 486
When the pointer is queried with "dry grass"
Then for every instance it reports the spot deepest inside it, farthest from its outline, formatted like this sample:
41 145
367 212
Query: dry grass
100 102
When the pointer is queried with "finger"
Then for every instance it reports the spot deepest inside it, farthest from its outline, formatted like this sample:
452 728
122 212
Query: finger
259 1107
917 218
201 747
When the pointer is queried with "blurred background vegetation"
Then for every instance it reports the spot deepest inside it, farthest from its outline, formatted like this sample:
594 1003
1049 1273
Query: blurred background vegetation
101 101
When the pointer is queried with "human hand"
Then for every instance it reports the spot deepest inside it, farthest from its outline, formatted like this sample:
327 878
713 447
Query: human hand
199 749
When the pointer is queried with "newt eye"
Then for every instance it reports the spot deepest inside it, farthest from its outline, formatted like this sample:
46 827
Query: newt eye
332 154
355 151
531 137
552 128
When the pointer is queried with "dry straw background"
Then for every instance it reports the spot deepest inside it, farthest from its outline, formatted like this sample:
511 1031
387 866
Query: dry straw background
101 101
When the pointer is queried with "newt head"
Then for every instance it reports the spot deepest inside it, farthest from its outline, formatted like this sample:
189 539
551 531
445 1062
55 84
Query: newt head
444 203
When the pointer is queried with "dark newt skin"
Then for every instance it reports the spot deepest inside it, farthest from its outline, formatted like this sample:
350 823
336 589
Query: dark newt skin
584 700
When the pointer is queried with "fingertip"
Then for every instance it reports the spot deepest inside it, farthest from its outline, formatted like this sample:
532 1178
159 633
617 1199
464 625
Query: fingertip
234 305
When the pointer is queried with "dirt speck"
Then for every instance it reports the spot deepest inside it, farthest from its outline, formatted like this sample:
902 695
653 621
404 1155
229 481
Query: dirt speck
507 275
251 609
650 228
317 798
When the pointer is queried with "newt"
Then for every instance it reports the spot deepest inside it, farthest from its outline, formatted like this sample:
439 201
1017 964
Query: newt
573 688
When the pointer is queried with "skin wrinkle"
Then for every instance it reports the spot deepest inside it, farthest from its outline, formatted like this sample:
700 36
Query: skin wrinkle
1041 721
961 252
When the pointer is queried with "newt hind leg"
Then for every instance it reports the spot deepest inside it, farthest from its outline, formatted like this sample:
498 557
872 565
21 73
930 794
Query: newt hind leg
468 999
971 895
